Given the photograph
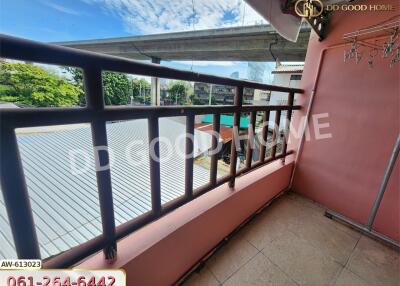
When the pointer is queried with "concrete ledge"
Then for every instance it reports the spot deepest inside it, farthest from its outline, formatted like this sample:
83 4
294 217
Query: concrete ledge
161 252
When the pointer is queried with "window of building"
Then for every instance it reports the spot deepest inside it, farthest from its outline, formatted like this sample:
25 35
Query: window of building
295 77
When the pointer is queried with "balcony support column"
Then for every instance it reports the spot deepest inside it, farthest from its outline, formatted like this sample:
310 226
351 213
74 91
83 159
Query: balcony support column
155 85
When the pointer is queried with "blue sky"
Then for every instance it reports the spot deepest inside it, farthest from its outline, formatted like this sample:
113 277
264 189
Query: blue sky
65 20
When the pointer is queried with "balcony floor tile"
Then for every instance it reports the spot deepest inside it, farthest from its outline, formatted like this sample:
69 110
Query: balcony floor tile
203 277
231 258
291 242
376 263
260 271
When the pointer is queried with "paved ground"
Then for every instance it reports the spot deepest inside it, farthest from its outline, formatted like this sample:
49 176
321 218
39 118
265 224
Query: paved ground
292 243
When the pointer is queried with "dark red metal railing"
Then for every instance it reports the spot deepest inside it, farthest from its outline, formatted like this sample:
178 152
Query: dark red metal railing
13 184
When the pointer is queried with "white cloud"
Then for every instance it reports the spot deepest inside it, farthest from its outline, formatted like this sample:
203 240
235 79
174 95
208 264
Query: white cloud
206 63
159 16
61 8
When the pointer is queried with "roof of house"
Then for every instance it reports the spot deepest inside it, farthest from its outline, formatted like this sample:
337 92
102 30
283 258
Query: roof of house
5 104
65 205
227 120
225 132
288 68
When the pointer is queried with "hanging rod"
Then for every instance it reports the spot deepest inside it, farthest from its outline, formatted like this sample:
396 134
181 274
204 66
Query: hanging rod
378 28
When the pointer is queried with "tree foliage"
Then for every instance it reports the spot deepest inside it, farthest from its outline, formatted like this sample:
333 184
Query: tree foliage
179 92
116 86
34 85
141 90
140 87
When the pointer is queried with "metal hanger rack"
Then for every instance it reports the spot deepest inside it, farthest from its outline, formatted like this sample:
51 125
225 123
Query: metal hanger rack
374 40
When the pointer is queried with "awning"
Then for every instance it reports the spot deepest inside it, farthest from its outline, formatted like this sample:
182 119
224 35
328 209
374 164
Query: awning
284 20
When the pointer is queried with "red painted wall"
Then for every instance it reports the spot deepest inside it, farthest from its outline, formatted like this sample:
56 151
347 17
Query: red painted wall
344 172
162 251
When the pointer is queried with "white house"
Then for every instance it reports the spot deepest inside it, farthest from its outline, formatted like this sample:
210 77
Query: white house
284 75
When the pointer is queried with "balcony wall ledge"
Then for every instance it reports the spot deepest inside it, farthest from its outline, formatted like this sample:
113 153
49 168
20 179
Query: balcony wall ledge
164 250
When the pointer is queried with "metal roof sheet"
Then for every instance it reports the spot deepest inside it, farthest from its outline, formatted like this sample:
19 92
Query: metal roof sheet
287 68
65 205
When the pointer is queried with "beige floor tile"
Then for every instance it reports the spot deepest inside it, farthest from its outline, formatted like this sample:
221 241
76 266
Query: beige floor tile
375 263
348 278
300 246
230 258
301 261
263 230
305 202
318 231
259 271
274 222
202 278
320 211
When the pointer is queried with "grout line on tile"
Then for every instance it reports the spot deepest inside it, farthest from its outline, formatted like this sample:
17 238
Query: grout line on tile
338 275
212 273
241 267
277 266
352 253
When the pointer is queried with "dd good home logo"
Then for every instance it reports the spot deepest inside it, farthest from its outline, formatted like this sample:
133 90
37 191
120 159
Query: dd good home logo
309 8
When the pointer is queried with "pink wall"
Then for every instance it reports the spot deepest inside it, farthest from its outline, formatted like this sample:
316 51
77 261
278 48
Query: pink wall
161 252
344 172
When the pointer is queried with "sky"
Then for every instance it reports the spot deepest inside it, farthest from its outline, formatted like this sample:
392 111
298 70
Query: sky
67 20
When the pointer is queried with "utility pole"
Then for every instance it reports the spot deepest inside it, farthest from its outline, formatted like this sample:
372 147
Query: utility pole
209 97
155 85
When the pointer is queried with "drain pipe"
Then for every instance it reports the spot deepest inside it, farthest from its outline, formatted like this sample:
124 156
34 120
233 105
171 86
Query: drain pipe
305 124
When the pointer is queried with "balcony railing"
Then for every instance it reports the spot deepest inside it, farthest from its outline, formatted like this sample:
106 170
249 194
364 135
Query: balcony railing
97 114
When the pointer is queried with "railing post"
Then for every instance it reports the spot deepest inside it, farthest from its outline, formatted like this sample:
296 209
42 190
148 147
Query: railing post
154 154
155 85
264 136
95 101
189 156
275 133
250 139
214 146
16 197
287 125
237 102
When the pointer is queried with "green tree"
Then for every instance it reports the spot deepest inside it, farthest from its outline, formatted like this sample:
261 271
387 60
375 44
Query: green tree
141 90
34 85
116 86
179 92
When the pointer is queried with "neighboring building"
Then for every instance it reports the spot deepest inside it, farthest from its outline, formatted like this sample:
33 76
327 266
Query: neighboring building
235 75
255 71
220 94
284 75
164 94
261 97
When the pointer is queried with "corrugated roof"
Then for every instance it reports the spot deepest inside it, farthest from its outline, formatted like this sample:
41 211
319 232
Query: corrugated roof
227 120
65 205
288 69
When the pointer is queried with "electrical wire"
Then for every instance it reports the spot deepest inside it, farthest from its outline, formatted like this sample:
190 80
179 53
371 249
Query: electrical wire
140 52
270 47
